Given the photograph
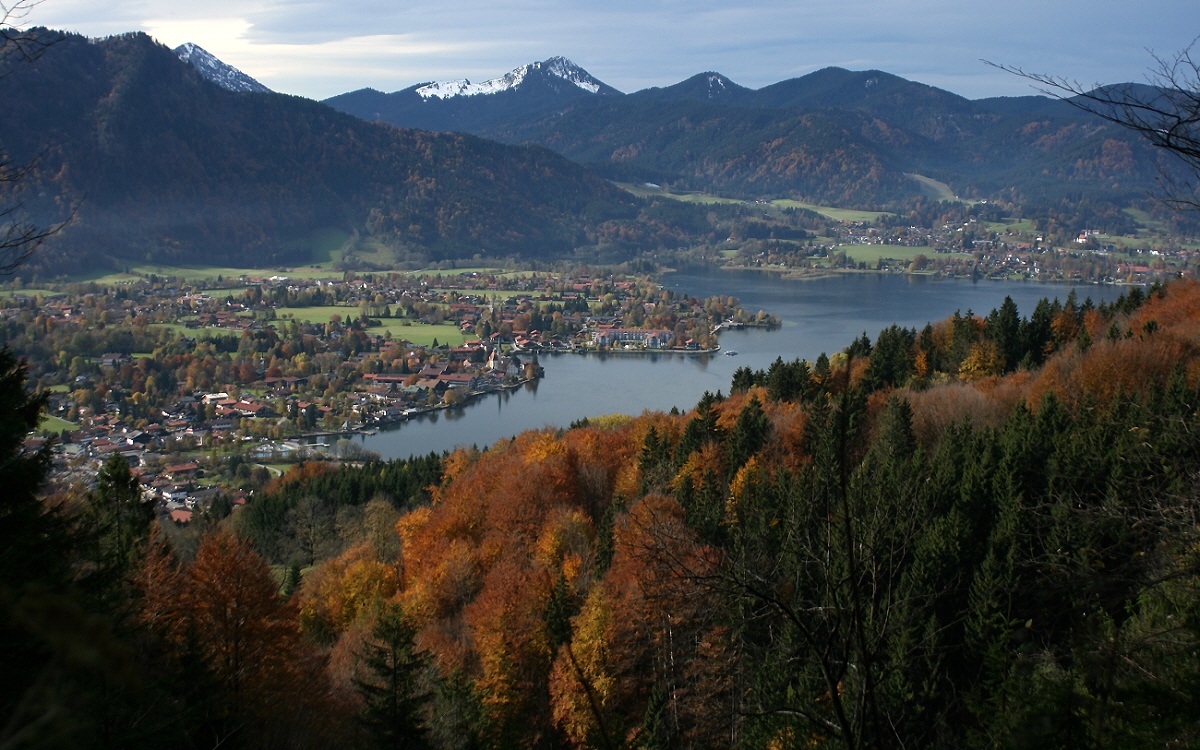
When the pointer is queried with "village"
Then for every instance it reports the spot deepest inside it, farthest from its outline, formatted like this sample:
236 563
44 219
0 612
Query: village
966 246
201 386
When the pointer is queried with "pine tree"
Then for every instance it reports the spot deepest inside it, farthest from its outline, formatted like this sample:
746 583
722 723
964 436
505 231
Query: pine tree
121 517
748 435
394 697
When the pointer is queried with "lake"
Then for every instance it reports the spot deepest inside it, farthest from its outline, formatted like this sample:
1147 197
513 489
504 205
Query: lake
819 315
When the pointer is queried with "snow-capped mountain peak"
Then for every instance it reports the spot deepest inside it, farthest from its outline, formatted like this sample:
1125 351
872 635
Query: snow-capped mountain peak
225 76
555 67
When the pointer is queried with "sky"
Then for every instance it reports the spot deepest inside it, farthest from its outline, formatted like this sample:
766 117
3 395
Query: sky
320 48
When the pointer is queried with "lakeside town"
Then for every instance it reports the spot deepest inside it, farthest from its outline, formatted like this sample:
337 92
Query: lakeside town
200 386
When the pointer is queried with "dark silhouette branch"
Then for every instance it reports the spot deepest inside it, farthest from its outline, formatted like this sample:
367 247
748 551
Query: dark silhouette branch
1165 111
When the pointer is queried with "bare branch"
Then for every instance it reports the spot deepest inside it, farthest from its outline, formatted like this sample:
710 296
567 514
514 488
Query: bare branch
16 43
1165 111
19 238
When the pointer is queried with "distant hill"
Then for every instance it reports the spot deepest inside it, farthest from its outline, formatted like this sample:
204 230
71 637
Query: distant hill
835 135
160 164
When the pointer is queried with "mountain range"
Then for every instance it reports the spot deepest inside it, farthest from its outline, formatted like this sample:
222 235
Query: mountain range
833 136
173 156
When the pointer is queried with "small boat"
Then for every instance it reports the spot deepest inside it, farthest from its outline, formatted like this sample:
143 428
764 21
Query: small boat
730 353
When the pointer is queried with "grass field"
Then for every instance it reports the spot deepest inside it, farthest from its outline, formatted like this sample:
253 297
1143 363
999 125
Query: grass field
318 314
871 254
55 425
209 273
938 191
324 246
421 334
837 214
29 293
644 191
226 291
498 272
849 215
485 293
417 333
193 333
1014 225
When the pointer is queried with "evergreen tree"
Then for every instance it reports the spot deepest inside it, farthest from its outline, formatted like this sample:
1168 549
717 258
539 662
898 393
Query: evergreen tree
1004 328
392 691
654 462
743 380
748 435
891 359
121 517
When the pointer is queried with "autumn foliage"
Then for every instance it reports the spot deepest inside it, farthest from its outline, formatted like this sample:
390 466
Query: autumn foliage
831 555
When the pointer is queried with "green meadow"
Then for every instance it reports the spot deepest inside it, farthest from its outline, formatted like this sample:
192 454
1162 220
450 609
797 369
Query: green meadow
54 425
872 254
418 333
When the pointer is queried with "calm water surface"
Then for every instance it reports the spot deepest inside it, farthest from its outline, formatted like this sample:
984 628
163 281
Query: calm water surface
821 315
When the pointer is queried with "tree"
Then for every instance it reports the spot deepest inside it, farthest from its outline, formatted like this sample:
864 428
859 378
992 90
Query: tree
271 684
120 515
391 690
1166 112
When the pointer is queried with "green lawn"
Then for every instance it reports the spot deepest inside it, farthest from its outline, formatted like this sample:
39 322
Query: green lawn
326 246
498 272
643 191
55 425
871 254
849 215
226 291
837 214
29 293
502 294
421 334
318 314
938 191
194 333
417 333
1014 225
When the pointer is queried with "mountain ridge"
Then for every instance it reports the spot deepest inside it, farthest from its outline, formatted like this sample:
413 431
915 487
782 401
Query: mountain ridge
221 73
708 133
157 163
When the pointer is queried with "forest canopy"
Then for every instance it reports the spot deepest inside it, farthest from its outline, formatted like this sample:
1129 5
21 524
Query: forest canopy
979 534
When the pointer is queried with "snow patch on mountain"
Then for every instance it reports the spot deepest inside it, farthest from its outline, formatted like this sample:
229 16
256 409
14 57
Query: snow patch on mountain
225 76
558 67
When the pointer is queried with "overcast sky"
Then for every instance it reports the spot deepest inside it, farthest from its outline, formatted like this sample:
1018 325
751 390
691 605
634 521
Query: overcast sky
319 48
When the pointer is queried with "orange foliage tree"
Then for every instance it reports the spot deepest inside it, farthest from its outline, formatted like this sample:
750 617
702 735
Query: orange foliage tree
269 687
646 663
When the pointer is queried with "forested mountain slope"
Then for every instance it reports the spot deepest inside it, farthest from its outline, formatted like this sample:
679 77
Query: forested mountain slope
153 163
985 555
